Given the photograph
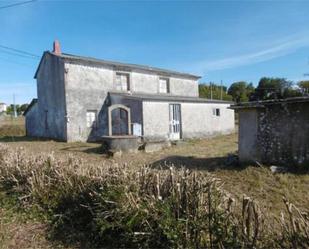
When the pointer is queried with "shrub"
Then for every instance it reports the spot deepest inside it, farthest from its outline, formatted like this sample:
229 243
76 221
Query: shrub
116 206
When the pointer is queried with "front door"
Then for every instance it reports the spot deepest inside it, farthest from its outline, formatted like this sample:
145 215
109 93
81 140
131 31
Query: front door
175 125
120 122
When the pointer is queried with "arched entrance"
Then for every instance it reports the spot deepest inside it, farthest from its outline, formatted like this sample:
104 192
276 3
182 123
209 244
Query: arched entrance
119 120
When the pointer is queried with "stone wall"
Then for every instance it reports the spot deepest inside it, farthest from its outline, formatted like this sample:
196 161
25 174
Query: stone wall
87 88
51 119
279 134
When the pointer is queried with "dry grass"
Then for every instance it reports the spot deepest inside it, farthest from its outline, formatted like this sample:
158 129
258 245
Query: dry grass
146 207
266 189
206 155
11 127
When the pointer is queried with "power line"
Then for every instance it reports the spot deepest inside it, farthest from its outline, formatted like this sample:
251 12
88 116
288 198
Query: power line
16 4
20 55
14 62
20 51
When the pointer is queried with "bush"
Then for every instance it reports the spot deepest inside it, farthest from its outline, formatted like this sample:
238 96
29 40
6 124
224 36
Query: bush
116 206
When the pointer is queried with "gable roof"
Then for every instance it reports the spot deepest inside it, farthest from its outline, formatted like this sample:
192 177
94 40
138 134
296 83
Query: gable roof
93 61
166 97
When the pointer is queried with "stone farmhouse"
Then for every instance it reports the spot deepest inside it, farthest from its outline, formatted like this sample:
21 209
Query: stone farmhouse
84 99
274 131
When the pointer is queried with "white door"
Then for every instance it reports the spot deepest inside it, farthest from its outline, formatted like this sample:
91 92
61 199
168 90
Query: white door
175 121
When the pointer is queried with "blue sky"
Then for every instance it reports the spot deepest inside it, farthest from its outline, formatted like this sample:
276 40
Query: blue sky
219 40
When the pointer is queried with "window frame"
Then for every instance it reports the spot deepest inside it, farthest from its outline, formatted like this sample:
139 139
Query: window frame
128 76
216 112
167 85
95 121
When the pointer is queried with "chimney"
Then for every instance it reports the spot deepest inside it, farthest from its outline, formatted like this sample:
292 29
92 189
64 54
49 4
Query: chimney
56 47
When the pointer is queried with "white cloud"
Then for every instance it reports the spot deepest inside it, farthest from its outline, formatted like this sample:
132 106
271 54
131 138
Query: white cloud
281 48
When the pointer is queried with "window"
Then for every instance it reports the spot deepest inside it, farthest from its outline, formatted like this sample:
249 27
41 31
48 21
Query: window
91 118
164 85
122 82
216 112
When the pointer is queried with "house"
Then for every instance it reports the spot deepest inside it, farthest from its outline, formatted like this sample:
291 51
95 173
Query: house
3 107
274 131
83 99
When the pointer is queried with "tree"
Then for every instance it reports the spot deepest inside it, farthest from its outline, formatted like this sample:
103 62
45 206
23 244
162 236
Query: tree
206 89
304 86
19 109
274 88
240 91
22 108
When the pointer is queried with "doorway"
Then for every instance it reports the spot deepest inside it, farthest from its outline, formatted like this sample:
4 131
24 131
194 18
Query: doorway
175 121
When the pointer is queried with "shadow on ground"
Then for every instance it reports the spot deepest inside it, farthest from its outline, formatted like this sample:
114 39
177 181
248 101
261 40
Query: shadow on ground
208 164
85 149
12 139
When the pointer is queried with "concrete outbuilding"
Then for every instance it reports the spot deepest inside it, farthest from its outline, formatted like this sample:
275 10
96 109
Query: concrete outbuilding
274 131
85 99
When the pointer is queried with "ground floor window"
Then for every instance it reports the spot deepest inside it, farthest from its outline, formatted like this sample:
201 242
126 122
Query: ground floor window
216 112
91 119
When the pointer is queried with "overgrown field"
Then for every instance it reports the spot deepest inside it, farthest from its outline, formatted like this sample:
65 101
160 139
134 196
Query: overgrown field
10 127
116 205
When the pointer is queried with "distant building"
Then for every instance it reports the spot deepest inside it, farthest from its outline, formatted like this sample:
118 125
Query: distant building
274 131
3 107
82 98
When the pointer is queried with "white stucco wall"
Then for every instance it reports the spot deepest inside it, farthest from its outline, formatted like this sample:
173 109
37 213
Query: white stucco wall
149 83
197 120
156 120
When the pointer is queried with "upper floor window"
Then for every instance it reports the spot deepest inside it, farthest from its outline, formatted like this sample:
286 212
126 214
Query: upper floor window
216 112
164 85
122 82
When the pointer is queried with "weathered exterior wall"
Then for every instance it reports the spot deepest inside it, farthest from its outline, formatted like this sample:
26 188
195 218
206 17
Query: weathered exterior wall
156 120
136 108
197 120
86 89
149 83
247 136
282 134
51 120
31 122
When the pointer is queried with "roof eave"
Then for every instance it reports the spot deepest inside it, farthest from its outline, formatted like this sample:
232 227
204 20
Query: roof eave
86 60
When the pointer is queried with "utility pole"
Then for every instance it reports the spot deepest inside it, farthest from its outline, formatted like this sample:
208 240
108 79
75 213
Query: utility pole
210 90
221 90
14 106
